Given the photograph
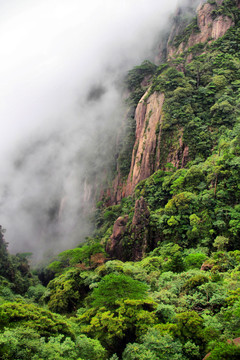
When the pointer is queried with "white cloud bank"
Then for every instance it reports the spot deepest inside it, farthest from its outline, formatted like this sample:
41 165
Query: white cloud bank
52 53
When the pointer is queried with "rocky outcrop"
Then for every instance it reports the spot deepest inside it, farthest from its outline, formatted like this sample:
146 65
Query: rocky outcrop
151 150
129 241
150 144
209 29
206 266
145 156
117 191
157 143
139 229
115 245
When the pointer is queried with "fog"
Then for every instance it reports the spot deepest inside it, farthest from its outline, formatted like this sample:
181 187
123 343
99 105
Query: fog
61 68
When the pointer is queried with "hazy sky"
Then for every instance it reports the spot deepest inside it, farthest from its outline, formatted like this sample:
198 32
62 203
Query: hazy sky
52 53
50 49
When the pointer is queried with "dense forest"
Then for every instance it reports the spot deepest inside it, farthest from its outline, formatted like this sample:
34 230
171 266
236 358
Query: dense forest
159 278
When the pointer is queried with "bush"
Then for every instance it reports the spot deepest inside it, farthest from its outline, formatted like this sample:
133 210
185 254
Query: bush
194 261
115 287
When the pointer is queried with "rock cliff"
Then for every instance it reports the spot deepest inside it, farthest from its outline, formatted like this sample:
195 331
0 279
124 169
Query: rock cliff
145 156
210 24
177 121
115 246
130 239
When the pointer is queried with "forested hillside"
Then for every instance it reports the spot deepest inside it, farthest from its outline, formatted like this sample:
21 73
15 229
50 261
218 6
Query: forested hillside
159 278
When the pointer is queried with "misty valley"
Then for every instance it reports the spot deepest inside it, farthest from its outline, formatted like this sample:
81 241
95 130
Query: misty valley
120 184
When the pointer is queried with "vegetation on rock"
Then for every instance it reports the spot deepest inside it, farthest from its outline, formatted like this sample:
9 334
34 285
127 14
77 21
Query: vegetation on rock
180 299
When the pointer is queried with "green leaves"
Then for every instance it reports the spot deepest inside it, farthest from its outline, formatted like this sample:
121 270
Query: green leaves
25 343
190 326
194 261
115 327
235 220
66 291
113 288
135 78
225 351
29 315
154 346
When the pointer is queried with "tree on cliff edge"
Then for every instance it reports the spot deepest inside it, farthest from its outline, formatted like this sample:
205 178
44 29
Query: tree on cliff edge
4 258
7 270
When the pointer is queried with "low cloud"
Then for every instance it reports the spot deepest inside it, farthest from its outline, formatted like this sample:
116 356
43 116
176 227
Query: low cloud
61 65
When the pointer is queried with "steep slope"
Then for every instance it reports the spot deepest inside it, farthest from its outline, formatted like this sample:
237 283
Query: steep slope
186 125
160 276
210 24
155 147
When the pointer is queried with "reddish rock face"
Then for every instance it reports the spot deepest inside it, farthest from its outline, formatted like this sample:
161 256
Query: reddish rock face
210 29
148 148
148 144
137 234
119 228
139 229
206 266
117 191
145 157
235 341
206 356
114 247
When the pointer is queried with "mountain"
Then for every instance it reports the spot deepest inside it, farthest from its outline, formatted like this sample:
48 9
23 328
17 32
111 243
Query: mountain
185 127
159 277
184 46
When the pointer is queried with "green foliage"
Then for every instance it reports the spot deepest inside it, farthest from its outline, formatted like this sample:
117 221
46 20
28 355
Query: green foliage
220 242
81 254
166 313
194 261
230 318
56 267
135 78
194 282
184 36
19 343
6 292
163 306
90 349
170 259
114 328
227 8
113 288
33 317
225 351
66 292
189 325
14 268
195 205
25 343
154 346
36 292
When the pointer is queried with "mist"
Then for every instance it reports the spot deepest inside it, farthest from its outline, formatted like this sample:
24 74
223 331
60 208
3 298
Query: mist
61 68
